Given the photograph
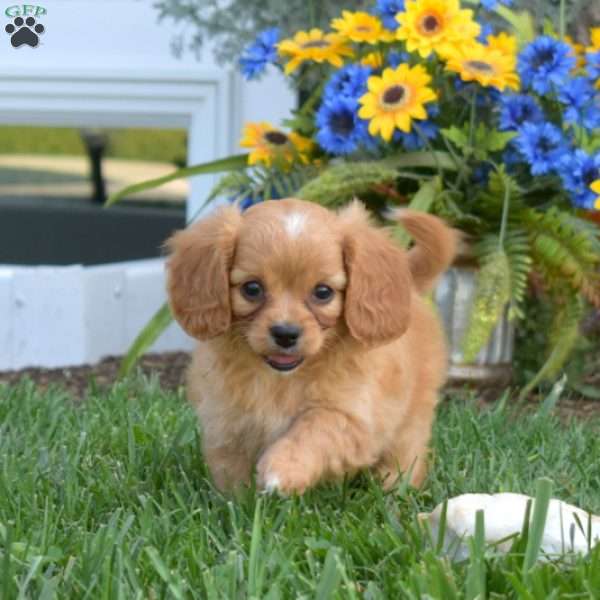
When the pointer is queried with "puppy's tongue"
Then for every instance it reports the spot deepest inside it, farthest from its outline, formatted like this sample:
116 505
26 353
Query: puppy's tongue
283 359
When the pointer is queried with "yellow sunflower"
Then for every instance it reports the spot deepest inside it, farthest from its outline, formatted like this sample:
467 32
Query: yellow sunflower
373 60
507 44
395 99
313 45
271 145
487 66
361 27
577 51
595 38
435 25
595 186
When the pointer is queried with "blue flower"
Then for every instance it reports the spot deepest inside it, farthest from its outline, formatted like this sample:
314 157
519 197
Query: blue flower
516 109
511 157
545 62
592 65
349 82
486 97
258 55
543 145
428 130
340 130
577 171
491 4
582 103
486 29
387 10
395 58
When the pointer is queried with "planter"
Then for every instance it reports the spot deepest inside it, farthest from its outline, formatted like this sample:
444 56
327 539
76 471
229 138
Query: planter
78 282
454 298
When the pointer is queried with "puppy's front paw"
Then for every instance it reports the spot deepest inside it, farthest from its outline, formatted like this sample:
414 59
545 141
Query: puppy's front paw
282 470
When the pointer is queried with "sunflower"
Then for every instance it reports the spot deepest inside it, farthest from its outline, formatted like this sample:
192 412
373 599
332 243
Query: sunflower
361 27
595 38
507 44
395 98
373 60
577 50
488 66
314 45
271 145
435 25
595 186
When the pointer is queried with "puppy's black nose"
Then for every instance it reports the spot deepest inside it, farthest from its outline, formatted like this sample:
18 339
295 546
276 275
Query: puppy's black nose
285 334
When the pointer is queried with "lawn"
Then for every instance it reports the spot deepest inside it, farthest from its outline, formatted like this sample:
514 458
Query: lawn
110 499
138 144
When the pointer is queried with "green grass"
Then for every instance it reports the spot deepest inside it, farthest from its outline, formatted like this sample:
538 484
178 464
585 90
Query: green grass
110 499
138 144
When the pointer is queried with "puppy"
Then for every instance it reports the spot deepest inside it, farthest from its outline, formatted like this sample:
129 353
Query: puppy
318 356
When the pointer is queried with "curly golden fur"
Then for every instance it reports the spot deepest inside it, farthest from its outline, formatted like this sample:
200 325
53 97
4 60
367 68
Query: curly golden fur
356 387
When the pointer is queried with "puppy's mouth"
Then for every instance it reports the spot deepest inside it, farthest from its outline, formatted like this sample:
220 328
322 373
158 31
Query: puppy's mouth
283 362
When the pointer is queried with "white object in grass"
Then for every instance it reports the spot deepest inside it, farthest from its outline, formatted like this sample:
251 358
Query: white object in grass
566 529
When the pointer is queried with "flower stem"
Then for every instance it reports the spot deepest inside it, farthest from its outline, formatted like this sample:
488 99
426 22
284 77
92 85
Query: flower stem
429 147
473 118
561 21
505 207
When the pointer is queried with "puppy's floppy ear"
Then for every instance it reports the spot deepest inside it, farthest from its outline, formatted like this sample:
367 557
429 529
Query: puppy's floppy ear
377 305
198 273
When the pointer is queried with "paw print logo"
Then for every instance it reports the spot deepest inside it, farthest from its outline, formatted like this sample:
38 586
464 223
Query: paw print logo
24 32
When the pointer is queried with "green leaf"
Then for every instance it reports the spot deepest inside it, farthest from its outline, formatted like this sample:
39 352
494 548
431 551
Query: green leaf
497 140
424 159
521 22
459 137
149 334
423 200
230 163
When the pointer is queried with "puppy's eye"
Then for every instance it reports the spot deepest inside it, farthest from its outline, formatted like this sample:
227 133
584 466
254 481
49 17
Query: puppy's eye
253 291
322 293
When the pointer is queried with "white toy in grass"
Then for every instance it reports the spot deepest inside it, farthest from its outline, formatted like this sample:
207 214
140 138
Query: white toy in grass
566 527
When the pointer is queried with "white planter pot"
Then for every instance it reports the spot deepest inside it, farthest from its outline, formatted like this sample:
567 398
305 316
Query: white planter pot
454 298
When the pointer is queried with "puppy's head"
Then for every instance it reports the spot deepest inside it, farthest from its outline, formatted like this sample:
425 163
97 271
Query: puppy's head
291 277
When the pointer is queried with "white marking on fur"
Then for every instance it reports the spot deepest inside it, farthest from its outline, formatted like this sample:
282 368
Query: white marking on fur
272 483
294 223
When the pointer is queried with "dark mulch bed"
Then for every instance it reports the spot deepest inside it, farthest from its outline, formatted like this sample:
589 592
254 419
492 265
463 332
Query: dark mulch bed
170 369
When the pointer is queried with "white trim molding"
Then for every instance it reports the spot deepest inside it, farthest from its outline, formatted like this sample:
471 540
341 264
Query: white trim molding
200 100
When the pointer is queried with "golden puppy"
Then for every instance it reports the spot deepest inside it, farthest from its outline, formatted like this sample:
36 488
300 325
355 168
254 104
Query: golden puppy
318 357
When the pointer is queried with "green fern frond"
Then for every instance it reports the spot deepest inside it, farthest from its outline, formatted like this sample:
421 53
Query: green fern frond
563 336
338 184
491 296
261 183
564 249
518 252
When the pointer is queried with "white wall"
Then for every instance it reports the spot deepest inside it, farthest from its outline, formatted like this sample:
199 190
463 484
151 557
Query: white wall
125 35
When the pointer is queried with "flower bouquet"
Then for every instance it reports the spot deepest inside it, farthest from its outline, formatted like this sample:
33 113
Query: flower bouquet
425 103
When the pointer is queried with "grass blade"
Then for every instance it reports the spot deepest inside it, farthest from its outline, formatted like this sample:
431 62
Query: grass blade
149 334
330 577
230 163
254 570
538 523
475 585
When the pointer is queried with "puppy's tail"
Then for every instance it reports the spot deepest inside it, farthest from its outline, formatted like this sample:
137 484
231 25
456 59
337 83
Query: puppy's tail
435 247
